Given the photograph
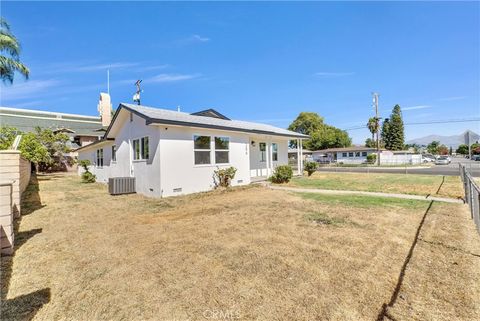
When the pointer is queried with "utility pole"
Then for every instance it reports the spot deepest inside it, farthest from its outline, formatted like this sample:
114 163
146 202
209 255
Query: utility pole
377 119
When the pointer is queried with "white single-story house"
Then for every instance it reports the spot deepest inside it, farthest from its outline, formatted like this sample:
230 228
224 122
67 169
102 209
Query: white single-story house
345 155
172 153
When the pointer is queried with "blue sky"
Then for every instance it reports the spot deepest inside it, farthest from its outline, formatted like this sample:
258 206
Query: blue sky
255 61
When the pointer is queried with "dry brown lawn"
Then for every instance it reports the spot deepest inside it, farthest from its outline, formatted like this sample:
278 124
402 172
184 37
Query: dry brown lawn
436 185
244 254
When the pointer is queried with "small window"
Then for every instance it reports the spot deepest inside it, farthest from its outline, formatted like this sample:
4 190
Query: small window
263 151
140 148
145 148
201 148
136 149
222 145
357 154
114 153
274 152
344 154
350 154
364 153
100 157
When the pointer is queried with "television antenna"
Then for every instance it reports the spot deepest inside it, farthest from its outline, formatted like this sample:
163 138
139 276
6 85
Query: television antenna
136 96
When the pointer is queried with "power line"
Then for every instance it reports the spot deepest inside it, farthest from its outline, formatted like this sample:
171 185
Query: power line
424 123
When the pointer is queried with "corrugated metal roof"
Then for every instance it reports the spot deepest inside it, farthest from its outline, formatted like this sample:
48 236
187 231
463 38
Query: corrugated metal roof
165 116
26 120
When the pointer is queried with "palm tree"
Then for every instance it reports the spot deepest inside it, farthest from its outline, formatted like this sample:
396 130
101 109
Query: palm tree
373 126
10 54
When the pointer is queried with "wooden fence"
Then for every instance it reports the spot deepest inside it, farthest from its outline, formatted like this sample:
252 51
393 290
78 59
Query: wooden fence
472 195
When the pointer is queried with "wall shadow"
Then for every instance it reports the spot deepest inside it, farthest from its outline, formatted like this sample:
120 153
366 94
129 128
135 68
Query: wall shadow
22 307
31 200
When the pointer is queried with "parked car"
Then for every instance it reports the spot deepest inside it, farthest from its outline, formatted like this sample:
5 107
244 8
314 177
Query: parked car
476 158
442 160
427 159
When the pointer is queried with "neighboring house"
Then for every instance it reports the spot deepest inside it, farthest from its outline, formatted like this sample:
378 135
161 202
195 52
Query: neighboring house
345 155
171 153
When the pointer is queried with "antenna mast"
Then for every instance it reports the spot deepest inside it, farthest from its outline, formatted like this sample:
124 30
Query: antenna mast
136 97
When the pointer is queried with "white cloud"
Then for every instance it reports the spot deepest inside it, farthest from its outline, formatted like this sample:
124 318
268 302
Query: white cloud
416 107
88 67
333 74
164 78
192 40
199 38
153 67
27 89
452 98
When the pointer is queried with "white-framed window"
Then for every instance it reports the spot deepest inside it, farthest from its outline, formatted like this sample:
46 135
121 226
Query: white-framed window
357 154
222 150
201 149
364 153
350 154
114 153
274 152
344 154
141 148
263 151
100 157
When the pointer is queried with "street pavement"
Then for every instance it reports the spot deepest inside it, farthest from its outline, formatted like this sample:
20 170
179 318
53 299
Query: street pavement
447 170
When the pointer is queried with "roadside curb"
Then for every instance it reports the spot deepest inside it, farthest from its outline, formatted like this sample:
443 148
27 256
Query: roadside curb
386 195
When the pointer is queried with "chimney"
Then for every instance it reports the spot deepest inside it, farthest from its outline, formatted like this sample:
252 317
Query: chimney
105 109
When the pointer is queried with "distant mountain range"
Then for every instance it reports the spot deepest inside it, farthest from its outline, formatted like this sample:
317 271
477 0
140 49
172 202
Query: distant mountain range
452 141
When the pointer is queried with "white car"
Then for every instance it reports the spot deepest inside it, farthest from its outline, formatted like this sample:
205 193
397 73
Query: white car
427 159
442 160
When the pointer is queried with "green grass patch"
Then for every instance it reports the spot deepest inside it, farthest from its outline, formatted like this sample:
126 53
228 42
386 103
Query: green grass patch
362 201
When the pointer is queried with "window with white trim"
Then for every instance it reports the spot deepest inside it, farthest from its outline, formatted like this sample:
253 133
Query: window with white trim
350 154
100 157
364 153
222 146
114 153
140 148
344 154
274 152
201 149
357 154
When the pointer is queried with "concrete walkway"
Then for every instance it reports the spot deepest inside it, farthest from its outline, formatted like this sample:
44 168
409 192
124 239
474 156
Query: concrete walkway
342 192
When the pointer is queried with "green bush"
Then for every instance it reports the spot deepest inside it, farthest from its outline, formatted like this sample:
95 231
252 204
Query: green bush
371 158
282 174
311 167
224 176
87 176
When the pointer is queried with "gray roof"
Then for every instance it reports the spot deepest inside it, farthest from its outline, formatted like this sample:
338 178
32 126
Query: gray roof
26 120
165 116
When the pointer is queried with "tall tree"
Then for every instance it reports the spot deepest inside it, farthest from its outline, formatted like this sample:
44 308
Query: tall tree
321 135
10 54
373 126
396 130
462 149
432 148
385 134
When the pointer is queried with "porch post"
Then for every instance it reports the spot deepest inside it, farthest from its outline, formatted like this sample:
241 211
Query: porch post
301 157
298 156
267 154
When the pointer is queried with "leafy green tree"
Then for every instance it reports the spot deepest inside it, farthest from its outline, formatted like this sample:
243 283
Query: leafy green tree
462 149
370 143
475 147
32 149
321 135
432 148
7 136
10 54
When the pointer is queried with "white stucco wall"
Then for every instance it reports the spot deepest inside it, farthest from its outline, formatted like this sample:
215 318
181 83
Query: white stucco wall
352 160
177 160
259 168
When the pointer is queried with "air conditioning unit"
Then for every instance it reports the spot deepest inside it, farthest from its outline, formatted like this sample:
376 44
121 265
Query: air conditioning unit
121 185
